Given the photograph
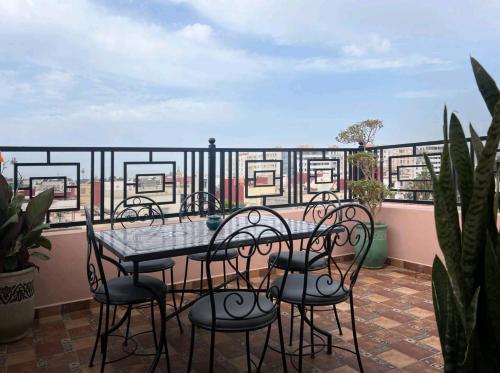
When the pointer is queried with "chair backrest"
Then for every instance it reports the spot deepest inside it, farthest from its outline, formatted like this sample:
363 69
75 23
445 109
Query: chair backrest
350 225
320 205
95 257
95 277
199 204
137 210
253 231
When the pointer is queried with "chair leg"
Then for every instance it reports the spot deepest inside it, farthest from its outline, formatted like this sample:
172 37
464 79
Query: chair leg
264 349
292 308
355 338
282 342
249 360
237 274
337 318
127 330
312 332
301 338
184 282
98 335
153 324
104 339
164 331
224 273
201 278
175 301
114 315
212 351
191 349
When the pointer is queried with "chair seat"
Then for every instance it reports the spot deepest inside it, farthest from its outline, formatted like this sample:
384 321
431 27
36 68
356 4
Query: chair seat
148 266
235 310
319 290
298 262
123 291
219 256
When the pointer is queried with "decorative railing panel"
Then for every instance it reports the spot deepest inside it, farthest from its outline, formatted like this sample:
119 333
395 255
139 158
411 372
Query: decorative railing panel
278 177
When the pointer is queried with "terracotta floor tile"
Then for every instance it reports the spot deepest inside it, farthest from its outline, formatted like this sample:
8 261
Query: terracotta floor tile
419 312
397 358
384 322
394 320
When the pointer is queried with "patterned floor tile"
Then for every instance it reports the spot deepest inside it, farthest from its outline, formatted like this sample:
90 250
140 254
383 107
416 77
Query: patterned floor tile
394 320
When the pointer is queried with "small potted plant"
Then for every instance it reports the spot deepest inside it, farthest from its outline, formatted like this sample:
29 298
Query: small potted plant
20 233
367 189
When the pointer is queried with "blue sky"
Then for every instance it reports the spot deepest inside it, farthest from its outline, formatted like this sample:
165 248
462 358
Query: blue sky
249 73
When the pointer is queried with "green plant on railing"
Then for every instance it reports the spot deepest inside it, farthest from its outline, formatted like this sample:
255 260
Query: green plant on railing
368 190
466 292
21 231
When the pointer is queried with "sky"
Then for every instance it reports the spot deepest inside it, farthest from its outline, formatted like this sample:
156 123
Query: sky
250 73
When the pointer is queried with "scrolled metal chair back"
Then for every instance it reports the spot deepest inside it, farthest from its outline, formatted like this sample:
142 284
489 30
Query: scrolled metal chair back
95 277
321 205
252 231
137 210
350 225
199 204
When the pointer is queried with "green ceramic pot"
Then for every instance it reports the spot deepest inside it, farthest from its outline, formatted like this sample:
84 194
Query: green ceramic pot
213 222
377 254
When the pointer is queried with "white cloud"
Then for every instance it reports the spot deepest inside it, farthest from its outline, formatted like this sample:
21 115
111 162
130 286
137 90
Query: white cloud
344 65
346 22
197 32
87 39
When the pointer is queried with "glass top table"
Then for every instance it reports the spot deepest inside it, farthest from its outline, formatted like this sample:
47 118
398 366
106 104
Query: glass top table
170 240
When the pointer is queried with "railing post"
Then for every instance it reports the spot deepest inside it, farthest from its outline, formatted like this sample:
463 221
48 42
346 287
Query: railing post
211 175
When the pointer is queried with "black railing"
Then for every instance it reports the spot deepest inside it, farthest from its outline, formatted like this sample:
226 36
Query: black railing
101 177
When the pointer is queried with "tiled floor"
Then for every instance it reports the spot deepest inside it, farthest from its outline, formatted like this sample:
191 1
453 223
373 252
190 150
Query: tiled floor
395 322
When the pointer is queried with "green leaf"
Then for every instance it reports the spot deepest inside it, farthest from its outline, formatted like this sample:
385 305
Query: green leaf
38 206
10 235
40 255
486 85
44 242
477 144
492 289
5 197
10 264
474 228
10 220
450 327
440 288
446 233
462 163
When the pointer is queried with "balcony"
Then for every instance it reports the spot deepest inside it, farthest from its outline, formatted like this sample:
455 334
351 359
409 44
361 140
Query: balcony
394 305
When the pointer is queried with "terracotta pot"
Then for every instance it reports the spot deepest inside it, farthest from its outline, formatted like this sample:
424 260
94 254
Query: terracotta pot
17 304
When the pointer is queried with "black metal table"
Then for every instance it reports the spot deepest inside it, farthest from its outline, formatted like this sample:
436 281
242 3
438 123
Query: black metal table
170 240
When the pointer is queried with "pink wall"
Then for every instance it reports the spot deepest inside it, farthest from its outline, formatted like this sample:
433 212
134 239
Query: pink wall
411 235
62 279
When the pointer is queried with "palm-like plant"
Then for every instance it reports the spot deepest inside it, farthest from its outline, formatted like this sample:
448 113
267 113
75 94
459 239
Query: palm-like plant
466 291
21 231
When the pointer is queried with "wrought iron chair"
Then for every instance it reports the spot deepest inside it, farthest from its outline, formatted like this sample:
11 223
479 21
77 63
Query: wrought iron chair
200 204
119 291
142 210
254 231
349 225
316 209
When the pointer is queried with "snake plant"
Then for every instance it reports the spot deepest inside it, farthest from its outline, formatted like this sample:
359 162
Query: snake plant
21 230
466 287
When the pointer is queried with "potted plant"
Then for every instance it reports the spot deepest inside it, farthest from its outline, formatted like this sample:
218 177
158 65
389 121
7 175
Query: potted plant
367 189
20 233
466 287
